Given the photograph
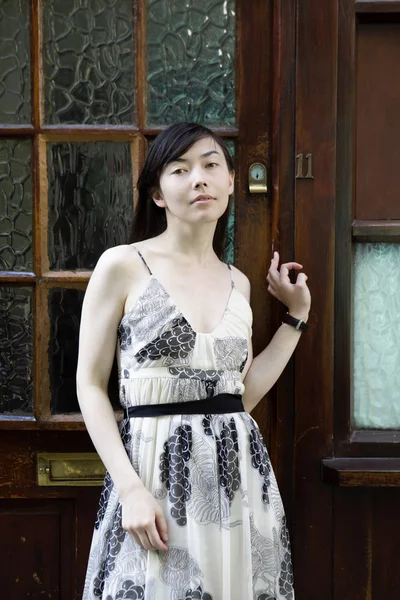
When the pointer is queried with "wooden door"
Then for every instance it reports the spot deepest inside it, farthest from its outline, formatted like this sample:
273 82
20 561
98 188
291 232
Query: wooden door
345 386
86 86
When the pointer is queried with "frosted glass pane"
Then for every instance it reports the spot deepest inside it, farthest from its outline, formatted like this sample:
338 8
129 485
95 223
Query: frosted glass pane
376 316
191 61
15 206
89 61
16 351
90 201
15 74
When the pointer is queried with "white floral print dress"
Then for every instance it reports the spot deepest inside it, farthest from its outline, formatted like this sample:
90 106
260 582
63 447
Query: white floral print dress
211 474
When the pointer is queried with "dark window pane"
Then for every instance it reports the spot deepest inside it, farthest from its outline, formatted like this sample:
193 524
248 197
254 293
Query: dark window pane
65 307
15 206
15 69
90 201
89 62
191 61
16 386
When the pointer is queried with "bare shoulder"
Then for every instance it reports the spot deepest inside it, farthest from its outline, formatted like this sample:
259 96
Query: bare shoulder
114 258
113 274
241 282
116 265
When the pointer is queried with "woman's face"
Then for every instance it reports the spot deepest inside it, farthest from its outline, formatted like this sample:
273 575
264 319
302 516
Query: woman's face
195 188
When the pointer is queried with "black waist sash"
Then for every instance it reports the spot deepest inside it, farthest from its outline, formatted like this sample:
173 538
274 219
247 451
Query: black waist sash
221 403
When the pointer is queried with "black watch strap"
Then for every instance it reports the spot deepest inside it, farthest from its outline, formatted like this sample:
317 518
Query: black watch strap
296 323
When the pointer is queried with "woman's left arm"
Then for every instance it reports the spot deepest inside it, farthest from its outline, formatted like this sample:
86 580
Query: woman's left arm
265 369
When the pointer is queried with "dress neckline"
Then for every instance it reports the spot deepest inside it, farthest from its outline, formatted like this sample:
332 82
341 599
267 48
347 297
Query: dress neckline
180 313
183 316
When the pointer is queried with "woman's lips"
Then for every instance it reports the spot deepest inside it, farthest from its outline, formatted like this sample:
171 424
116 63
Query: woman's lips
205 201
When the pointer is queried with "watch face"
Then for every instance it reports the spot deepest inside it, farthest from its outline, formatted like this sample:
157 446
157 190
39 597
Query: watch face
257 172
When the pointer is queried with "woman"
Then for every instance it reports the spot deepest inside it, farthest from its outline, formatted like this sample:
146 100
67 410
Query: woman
190 508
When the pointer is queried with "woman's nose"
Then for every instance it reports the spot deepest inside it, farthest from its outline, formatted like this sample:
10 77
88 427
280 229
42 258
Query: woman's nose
199 184
199 179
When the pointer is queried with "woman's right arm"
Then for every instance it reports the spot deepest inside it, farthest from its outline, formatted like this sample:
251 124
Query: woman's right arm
101 313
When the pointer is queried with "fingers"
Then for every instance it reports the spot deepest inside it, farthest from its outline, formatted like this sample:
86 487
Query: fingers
286 267
148 538
143 517
155 538
273 278
279 282
136 538
292 265
151 535
144 540
301 279
161 525
272 292
275 261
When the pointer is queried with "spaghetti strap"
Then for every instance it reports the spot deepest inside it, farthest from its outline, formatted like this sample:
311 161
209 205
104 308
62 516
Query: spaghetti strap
230 269
144 262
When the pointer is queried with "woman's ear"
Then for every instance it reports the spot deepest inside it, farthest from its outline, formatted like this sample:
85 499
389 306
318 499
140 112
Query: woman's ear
231 182
158 198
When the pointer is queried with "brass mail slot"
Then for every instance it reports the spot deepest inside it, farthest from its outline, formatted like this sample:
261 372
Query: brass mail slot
79 469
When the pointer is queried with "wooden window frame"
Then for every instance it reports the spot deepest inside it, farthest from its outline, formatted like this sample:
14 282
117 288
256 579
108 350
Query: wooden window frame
252 148
355 449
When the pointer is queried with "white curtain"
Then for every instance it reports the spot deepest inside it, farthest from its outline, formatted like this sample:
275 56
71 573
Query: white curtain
376 381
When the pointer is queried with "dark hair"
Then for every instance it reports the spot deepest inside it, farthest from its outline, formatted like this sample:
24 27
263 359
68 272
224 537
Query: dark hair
149 219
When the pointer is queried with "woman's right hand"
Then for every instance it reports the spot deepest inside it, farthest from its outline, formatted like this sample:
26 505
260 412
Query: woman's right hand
143 518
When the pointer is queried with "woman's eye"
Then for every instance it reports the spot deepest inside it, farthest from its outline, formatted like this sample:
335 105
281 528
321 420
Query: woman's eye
212 164
177 172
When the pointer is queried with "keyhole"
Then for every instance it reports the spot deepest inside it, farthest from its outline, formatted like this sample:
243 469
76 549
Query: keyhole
257 176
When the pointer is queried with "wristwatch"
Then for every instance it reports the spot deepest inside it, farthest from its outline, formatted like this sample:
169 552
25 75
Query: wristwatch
298 324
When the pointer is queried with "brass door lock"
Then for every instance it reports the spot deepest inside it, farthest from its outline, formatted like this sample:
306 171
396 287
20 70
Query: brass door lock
258 179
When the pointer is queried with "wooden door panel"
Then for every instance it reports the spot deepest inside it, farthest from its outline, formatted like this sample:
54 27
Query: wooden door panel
354 32
316 82
39 558
352 537
282 231
254 211
363 534
57 522
377 173
365 544
385 572
62 144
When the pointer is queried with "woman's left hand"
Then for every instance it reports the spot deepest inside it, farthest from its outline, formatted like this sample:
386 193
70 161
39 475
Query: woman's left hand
296 296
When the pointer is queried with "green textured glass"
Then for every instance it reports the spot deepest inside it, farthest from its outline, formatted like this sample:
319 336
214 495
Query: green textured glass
65 307
191 61
376 345
90 201
15 205
229 256
89 62
16 385
15 75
